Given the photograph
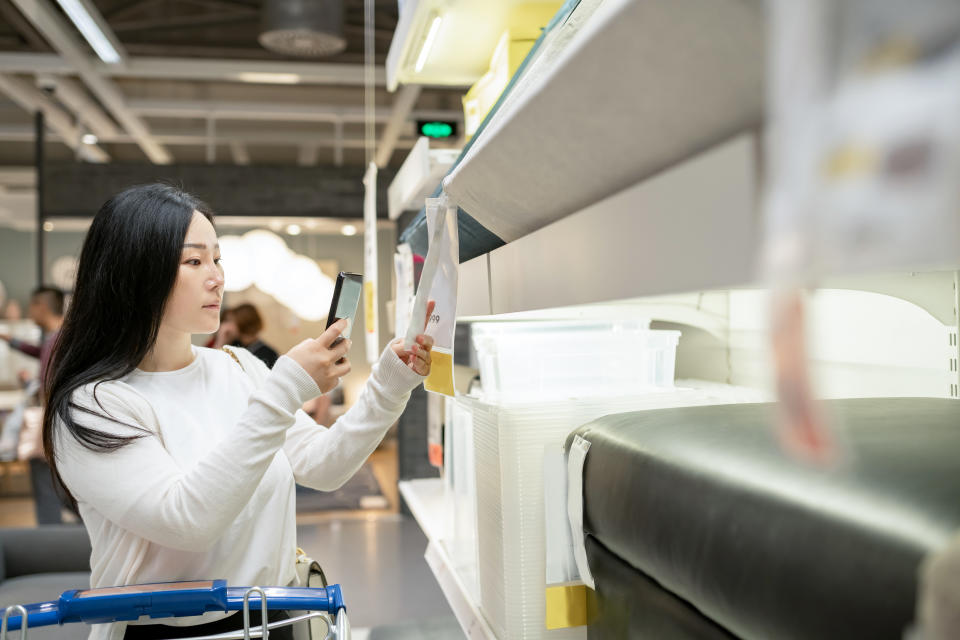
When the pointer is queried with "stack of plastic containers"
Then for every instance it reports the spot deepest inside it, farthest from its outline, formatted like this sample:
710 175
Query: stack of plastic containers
538 361
460 494
540 382
511 539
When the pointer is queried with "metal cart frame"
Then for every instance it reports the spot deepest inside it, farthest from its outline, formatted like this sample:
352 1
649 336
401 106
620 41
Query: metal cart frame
317 602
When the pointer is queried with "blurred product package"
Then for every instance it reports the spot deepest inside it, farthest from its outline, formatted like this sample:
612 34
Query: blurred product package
864 146
862 165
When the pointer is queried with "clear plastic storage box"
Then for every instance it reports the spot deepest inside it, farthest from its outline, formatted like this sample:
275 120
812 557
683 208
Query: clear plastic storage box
535 361
509 442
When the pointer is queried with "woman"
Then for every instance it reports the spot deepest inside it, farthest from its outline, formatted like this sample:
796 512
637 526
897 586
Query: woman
182 460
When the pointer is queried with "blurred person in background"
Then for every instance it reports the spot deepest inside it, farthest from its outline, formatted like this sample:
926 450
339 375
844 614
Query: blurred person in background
46 310
241 327
13 312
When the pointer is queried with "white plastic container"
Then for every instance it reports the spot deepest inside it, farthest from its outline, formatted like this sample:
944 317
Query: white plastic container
509 445
539 361
459 536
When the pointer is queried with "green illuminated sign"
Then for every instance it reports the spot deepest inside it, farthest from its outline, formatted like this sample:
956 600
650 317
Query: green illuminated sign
436 129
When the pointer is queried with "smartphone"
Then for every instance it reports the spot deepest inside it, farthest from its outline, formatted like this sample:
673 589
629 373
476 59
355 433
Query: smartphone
346 300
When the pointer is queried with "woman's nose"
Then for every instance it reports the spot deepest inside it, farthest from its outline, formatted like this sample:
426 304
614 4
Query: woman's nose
215 280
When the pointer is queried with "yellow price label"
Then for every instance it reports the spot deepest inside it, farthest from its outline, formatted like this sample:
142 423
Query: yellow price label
370 309
440 379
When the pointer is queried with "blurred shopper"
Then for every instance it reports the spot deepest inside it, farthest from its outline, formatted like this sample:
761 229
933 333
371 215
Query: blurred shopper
243 327
46 310
13 312
183 459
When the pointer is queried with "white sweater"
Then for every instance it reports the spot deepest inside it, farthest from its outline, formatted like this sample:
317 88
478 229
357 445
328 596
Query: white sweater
209 493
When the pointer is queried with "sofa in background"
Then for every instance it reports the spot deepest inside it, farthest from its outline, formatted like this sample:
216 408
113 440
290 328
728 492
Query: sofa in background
38 564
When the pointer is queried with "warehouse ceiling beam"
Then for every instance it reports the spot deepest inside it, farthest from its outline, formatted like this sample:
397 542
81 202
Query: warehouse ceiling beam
32 100
293 112
198 136
73 94
403 103
62 37
257 71
15 19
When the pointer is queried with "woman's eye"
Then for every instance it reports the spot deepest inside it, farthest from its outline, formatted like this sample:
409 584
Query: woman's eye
194 261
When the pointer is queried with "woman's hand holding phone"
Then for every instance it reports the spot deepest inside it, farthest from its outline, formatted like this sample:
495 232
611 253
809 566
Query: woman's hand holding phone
325 361
417 357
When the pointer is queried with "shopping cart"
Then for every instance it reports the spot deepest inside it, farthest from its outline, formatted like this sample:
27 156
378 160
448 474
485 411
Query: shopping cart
178 599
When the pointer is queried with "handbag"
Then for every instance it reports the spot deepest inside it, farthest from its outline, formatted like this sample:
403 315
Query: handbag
309 574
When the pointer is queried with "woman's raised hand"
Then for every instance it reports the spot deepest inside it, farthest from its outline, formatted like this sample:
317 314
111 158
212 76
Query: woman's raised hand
325 362
418 356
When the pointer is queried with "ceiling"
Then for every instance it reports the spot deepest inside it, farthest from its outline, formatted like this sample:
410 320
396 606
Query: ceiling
184 93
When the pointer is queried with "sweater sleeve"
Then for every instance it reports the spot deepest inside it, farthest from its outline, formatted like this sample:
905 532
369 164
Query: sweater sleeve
325 458
31 350
141 488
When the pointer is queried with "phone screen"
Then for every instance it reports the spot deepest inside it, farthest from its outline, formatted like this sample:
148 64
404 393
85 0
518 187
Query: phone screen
351 289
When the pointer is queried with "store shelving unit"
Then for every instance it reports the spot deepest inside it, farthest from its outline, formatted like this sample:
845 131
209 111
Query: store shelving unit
425 499
667 217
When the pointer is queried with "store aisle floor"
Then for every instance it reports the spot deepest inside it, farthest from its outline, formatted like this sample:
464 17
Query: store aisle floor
387 585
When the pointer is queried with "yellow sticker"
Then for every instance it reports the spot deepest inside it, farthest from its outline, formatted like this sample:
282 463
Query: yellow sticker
369 308
566 606
851 161
440 379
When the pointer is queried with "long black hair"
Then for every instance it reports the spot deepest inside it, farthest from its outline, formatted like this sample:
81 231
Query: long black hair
127 269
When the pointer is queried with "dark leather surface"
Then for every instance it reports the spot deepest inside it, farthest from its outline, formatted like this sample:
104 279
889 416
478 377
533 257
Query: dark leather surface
631 605
705 503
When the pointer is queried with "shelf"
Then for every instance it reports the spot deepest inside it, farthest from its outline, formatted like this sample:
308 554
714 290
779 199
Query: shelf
691 228
419 176
426 502
458 52
425 499
611 96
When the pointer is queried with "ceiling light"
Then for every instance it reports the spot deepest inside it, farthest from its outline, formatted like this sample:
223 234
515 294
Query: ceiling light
299 28
348 230
269 256
293 229
428 43
238 269
268 78
48 226
90 30
89 138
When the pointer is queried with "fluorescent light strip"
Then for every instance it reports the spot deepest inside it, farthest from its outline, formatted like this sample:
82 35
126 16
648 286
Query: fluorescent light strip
428 43
90 30
268 78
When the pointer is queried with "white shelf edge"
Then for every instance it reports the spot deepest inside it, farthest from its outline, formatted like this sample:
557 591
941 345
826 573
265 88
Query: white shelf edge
425 499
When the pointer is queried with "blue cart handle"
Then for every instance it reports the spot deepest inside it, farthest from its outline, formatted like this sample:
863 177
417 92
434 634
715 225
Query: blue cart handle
169 599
